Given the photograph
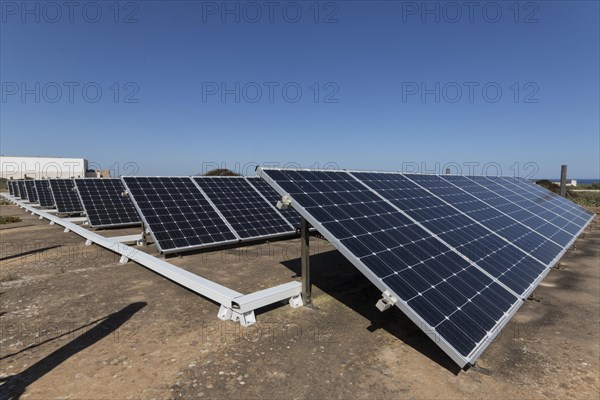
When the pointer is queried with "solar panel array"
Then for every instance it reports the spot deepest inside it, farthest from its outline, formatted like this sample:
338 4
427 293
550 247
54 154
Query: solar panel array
65 196
11 191
42 188
244 208
185 213
459 254
104 203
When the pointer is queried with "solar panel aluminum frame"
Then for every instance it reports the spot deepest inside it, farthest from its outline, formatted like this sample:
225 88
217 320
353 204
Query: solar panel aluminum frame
123 225
178 249
403 306
252 238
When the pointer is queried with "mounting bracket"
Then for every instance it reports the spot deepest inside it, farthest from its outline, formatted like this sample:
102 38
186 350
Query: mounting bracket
296 301
386 301
284 203
244 318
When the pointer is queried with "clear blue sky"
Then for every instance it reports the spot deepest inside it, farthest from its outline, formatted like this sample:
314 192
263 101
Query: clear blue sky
370 61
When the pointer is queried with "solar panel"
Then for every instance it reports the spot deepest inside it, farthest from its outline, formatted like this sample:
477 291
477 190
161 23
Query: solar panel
520 205
273 197
30 189
22 189
42 188
104 204
550 201
478 231
16 189
244 208
65 197
10 188
451 259
177 214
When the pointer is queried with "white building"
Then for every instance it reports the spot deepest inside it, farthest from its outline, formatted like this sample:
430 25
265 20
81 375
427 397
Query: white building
572 183
42 167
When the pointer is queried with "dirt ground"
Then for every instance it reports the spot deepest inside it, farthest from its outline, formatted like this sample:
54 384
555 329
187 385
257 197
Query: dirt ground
77 324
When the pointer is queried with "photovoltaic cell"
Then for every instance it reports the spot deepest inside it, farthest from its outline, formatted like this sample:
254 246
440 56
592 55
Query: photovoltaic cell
31 193
246 211
104 203
458 259
179 216
273 197
42 188
11 191
65 197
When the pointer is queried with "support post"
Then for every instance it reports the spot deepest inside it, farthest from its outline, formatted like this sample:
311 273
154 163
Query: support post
305 251
563 180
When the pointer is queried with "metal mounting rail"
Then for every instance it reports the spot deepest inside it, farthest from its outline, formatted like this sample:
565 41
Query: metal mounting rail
235 306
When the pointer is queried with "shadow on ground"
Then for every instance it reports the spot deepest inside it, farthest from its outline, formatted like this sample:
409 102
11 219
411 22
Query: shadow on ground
29 252
14 386
332 273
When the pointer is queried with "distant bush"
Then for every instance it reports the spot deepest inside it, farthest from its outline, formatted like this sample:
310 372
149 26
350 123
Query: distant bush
586 199
221 172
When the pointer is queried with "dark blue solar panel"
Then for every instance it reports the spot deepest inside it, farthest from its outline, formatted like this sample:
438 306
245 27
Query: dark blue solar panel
248 213
545 194
104 203
11 191
22 189
65 197
520 205
42 188
17 193
465 223
451 297
273 197
179 216
31 193
564 208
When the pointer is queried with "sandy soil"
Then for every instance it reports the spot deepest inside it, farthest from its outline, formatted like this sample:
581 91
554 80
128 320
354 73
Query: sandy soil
77 324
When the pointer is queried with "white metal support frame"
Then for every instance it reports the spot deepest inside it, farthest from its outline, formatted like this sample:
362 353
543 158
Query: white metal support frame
235 306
